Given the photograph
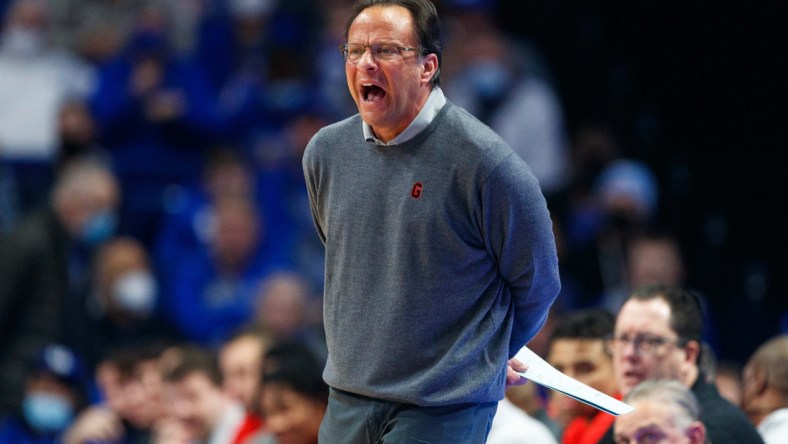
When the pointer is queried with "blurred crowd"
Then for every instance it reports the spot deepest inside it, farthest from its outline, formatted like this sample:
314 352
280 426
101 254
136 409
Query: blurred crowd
155 230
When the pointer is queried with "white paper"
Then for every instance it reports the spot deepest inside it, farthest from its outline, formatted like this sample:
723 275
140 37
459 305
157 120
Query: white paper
542 373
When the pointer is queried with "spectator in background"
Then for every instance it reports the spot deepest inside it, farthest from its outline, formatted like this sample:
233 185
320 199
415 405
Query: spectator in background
124 302
152 103
287 308
55 391
77 132
241 364
654 258
665 411
35 79
257 54
294 396
45 270
233 40
765 396
624 204
506 84
190 218
290 87
129 400
95 30
594 147
199 410
214 289
329 76
578 214
282 191
191 215
658 335
577 349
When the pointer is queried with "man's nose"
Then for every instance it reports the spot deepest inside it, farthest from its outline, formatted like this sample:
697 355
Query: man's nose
367 58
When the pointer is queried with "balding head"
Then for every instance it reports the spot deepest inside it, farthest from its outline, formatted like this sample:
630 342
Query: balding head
766 379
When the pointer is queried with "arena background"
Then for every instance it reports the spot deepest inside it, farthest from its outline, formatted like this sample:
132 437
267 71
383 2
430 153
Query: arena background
698 90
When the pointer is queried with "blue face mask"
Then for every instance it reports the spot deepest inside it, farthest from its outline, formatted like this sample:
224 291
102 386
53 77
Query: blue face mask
99 227
47 412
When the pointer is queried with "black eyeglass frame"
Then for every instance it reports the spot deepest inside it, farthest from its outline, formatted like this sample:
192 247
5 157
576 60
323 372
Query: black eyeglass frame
644 344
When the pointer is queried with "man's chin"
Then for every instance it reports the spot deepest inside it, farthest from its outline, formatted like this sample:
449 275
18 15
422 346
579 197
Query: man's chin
373 108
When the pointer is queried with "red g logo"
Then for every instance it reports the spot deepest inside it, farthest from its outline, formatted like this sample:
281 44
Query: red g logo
416 191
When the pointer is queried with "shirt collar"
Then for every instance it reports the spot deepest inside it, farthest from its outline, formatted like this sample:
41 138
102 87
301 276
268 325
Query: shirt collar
434 103
229 423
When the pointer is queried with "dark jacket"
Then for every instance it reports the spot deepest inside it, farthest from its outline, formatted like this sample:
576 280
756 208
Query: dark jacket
33 289
725 423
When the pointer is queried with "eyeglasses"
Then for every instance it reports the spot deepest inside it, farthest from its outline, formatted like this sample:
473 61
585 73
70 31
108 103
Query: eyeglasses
644 344
383 52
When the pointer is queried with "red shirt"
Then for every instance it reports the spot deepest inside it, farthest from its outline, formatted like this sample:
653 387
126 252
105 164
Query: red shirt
585 431
250 425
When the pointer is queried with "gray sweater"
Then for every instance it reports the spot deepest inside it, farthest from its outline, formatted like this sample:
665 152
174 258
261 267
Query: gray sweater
440 259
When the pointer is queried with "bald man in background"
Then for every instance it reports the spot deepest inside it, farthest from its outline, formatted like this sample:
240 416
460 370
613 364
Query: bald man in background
765 383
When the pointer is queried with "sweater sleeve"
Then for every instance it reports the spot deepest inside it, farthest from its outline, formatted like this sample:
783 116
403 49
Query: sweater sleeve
310 167
518 234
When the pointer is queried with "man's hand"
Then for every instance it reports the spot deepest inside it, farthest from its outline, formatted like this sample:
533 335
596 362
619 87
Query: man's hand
94 424
512 377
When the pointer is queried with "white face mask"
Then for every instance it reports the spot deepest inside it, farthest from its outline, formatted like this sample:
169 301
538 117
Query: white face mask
135 292
23 41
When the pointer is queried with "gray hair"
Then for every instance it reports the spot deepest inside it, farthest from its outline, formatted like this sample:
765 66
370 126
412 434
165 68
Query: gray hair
668 392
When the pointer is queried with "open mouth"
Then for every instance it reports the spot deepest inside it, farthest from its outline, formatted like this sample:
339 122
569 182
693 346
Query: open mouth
372 93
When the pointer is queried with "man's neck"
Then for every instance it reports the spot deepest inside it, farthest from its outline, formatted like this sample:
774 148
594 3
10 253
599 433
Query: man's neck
692 376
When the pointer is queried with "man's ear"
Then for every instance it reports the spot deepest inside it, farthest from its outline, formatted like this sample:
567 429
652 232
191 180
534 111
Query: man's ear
430 67
757 380
696 433
692 352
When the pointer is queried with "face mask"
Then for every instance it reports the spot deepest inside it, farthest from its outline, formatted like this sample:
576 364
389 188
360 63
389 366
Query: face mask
99 227
46 412
489 79
135 292
23 41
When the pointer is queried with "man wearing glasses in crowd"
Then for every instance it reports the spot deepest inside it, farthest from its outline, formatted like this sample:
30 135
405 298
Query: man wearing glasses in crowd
440 256
658 336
